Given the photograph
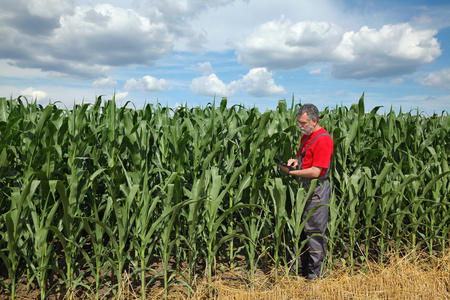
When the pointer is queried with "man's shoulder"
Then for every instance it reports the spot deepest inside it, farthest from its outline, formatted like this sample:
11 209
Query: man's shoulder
322 139
321 132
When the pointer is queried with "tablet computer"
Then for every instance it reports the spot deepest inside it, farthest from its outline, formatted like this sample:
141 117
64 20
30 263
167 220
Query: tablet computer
279 162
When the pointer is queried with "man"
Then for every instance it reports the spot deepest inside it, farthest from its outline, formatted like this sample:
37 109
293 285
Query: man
313 161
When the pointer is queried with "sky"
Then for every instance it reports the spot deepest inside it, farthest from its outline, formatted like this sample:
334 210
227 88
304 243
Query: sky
254 52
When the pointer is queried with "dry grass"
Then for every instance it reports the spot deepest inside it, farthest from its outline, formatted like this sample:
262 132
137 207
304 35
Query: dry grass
403 278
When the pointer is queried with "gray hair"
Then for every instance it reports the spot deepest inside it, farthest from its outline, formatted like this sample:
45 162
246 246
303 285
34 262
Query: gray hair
311 110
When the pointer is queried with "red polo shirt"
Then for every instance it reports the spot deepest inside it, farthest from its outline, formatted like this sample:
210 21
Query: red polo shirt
319 153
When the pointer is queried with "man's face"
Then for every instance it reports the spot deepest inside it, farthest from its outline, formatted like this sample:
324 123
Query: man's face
306 126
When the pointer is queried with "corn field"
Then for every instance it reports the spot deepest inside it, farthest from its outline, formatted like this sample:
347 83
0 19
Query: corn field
98 195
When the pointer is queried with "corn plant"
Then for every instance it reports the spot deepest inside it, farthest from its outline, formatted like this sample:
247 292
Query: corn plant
98 190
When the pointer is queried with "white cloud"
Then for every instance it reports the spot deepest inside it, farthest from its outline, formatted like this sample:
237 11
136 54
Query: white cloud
391 51
259 83
182 9
285 46
121 96
204 68
242 17
109 35
49 8
34 94
316 71
179 14
438 79
82 43
212 86
148 84
104 82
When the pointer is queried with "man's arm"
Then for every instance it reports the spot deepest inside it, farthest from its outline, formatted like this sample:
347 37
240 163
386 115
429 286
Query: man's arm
313 172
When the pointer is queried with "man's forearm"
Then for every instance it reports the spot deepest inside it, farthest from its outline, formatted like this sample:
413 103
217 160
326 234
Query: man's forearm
313 172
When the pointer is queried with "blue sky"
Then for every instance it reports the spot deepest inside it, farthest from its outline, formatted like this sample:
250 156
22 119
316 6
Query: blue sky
254 52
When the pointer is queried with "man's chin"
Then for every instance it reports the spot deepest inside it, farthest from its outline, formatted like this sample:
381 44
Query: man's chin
307 131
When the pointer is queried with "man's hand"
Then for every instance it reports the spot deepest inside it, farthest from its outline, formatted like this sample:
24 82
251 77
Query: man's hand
293 163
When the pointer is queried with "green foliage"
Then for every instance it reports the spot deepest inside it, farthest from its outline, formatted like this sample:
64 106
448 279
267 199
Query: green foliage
101 191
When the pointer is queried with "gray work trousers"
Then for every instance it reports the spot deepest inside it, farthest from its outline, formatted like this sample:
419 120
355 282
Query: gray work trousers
314 251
